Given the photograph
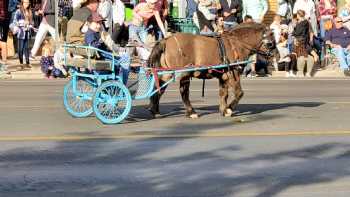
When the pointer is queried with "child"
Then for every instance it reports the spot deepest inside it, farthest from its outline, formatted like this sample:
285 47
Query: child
276 27
23 21
47 63
220 25
284 53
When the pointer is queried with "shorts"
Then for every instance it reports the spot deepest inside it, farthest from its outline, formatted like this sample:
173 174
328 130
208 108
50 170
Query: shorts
4 30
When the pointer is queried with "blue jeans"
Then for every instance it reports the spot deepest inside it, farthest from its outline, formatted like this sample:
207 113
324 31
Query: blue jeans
137 33
191 8
23 48
123 68
229 24
343 55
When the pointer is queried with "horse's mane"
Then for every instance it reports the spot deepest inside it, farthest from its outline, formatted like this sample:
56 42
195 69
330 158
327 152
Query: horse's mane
242 28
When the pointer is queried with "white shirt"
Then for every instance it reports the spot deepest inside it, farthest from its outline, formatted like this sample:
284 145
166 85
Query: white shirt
105 11
118 12
307 5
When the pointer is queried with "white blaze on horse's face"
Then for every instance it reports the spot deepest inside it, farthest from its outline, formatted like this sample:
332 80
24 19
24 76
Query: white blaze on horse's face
268 39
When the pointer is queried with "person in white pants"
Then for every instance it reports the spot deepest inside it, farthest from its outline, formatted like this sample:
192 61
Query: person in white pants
46 25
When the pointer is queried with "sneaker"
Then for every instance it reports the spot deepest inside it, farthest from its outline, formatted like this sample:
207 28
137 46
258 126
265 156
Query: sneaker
291 74
287 74
32 58
253 74
3 67
308 75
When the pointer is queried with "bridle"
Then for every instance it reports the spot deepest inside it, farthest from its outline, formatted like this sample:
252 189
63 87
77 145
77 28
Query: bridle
257 49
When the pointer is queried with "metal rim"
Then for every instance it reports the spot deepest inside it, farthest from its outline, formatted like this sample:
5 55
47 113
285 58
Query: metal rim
78 103
112 102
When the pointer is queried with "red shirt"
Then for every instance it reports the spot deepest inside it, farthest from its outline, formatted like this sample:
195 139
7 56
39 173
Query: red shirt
4 15
160 5
327 11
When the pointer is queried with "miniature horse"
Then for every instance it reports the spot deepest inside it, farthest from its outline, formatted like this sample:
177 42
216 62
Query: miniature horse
182 50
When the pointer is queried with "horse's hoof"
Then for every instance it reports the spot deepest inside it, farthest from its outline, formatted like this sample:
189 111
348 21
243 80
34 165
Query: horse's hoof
228 112
194 116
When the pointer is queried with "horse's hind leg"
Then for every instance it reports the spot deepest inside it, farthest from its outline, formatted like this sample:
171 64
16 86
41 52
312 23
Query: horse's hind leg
185 94
235 82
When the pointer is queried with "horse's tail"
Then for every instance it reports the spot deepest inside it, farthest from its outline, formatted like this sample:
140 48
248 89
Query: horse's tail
156 54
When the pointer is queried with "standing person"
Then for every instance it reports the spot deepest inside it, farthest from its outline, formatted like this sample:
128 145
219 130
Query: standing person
327 10
276 27
105 10
47 11
4 29
302 47
284 9
232 12
162 7
75 35
65 12
256 9
13 5
120 34
36 5
23 20
143 12
308 6
345 14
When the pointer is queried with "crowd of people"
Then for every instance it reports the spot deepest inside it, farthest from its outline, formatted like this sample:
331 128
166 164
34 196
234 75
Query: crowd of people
303 28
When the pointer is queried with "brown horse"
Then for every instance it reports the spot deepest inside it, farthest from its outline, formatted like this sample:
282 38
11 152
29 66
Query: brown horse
182 50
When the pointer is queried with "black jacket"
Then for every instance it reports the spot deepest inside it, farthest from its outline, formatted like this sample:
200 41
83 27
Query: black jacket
235 4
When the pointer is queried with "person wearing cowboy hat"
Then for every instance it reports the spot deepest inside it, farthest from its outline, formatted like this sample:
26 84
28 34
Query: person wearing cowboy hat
97 38
93 34
142 13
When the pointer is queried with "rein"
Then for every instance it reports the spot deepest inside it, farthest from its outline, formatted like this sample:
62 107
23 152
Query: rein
256 49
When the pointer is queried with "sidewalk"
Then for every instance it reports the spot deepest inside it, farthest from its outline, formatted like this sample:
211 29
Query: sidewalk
16 71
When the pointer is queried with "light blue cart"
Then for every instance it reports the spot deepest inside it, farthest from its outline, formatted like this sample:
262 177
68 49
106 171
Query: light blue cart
96 86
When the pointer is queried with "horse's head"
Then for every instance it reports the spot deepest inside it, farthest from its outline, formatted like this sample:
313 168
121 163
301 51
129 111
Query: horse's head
268 43
255 37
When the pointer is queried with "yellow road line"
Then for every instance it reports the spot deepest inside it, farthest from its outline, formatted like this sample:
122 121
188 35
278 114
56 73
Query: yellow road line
189 135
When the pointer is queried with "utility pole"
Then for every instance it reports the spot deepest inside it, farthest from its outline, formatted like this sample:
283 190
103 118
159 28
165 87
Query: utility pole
57 37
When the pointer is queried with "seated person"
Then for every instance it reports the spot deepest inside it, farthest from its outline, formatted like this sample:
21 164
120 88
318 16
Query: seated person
285 58
339 39
93 38
248 19
204 17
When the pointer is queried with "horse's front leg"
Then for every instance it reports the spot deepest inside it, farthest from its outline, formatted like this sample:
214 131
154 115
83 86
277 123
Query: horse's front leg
235 83
223 93
154 100
185 94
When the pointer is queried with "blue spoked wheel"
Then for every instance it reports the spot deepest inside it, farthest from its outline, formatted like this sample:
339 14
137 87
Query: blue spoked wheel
79 102
112 102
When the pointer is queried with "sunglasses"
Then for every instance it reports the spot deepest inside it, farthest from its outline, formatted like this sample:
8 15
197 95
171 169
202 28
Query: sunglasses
338 21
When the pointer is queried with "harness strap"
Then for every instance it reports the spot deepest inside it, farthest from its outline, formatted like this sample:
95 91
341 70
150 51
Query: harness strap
222 51
156 78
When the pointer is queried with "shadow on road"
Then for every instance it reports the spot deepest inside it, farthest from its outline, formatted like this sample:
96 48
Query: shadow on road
175 109
171 167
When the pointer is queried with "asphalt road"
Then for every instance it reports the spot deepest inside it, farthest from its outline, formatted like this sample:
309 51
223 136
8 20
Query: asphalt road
287 138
